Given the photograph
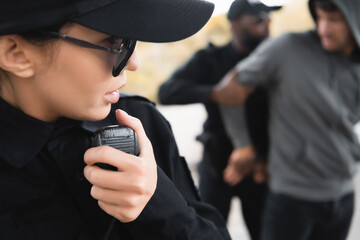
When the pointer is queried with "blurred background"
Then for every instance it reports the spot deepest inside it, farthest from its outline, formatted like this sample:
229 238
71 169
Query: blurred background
159 60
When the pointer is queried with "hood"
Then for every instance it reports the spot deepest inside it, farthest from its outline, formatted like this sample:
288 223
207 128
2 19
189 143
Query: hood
351 10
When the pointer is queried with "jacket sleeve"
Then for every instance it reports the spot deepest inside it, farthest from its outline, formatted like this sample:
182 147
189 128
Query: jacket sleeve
190 83
175 211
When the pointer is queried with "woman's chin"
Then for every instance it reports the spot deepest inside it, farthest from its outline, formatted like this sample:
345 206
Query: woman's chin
96 115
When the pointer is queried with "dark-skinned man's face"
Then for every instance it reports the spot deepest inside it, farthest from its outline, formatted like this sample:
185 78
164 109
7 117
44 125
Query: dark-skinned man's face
252 29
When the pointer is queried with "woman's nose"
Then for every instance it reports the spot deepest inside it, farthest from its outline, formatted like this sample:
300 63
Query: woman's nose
134 62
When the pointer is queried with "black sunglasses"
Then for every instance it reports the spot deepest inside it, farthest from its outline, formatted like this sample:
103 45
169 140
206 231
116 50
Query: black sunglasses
123 48
261 18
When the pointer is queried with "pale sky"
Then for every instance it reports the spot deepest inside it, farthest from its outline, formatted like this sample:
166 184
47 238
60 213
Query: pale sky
222 6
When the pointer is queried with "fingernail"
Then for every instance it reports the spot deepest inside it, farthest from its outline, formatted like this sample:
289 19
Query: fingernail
122 111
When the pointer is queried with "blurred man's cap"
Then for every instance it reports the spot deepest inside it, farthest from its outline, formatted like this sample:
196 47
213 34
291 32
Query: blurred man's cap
240 7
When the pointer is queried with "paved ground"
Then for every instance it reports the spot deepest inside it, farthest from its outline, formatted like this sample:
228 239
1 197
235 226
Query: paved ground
186 122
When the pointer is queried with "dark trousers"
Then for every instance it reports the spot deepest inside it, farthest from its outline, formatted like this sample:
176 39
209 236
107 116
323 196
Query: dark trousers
215 191
288 218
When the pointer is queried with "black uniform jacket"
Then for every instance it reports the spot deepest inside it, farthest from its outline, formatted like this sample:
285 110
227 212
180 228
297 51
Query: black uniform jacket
44 195
193 83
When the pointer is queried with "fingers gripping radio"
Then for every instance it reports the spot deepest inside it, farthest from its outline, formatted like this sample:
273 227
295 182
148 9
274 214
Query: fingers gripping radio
122 138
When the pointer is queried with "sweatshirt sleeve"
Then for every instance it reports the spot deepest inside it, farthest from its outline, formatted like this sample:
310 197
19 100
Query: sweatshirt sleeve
261 67
235 125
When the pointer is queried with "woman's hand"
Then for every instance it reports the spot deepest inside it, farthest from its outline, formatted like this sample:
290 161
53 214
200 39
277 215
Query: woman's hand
123 193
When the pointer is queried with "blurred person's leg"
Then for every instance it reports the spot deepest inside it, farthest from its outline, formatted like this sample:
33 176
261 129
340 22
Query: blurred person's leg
286 218
213 190
337 220
252 196
291 218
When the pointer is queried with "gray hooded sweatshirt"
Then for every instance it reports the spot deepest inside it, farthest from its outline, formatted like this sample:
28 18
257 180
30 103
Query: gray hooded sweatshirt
314 104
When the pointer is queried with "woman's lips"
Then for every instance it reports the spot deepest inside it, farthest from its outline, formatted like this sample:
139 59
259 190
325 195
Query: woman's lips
112 97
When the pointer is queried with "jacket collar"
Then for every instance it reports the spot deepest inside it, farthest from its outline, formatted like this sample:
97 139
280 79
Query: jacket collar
22 137
234 54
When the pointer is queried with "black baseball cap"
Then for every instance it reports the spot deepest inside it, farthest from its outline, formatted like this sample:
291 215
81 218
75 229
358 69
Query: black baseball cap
145 20
240 7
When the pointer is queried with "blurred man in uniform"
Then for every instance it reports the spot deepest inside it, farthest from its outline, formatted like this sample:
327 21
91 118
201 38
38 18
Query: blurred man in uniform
194 83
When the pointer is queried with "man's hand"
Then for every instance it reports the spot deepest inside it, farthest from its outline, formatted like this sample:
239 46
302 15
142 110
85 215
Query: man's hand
123 193
241 163
260 173
229 92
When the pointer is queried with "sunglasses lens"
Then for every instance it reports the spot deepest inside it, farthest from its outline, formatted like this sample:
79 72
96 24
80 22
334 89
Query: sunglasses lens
261 18
126 50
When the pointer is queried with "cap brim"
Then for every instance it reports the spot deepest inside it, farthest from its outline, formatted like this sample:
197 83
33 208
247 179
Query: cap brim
149 20
272 8
264 8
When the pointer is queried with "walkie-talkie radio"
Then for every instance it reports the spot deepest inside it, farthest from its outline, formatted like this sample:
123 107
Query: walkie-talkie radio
120 137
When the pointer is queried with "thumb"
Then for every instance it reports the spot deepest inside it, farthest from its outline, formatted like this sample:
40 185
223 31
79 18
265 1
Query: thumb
125 119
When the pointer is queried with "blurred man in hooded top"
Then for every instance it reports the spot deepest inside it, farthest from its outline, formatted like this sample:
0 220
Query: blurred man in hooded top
313 80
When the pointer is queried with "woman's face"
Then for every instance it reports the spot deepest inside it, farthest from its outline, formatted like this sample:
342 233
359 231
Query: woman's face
76 82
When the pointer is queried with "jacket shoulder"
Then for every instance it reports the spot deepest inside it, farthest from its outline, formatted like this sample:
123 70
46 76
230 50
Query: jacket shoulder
133 98
134 105
210 50
157 129
213 49
291 37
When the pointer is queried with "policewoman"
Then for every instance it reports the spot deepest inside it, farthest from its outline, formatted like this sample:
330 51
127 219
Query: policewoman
61 65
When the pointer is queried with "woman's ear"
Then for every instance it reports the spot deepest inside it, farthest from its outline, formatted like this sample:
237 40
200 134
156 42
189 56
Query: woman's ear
15 56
